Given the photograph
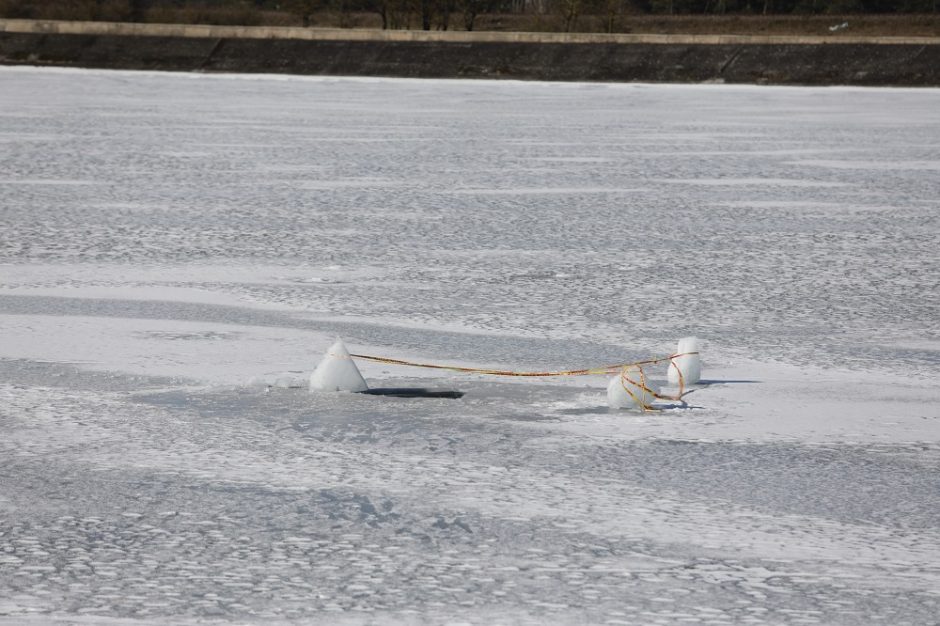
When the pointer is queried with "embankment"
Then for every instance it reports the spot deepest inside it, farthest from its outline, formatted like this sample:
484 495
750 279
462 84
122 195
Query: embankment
803 60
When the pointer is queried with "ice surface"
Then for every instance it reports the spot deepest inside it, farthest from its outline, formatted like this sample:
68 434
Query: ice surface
337 371
177 250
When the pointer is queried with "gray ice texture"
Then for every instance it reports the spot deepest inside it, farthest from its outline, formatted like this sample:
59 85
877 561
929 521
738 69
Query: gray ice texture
178 251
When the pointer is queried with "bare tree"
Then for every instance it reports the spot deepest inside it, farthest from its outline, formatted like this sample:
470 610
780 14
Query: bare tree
470 9
444 9
612 9
570 12
426 10
304 9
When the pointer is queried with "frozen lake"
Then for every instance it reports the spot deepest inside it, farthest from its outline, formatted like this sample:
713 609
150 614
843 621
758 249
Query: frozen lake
177 251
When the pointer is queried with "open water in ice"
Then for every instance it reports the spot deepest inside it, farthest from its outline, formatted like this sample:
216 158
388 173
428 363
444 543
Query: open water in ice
164 238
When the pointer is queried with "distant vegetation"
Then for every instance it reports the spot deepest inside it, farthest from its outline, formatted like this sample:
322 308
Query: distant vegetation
760 16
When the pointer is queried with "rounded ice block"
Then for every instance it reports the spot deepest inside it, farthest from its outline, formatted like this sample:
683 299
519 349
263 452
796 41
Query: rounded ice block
689 364
624 390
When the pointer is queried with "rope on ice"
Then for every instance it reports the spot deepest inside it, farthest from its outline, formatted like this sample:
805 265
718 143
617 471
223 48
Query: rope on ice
631 375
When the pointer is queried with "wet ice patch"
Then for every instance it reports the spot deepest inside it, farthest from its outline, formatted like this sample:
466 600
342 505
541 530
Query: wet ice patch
192 336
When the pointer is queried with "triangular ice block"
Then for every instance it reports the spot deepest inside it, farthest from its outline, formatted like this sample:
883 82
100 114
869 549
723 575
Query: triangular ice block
337 371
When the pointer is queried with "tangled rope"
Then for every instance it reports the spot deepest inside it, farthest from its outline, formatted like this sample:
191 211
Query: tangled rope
622 368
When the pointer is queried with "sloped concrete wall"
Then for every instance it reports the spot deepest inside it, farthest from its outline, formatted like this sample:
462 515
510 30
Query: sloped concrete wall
528 56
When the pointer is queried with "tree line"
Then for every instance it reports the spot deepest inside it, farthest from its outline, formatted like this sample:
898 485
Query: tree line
433 14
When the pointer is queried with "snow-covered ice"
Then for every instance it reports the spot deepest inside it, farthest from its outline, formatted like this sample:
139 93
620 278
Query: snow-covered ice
178 251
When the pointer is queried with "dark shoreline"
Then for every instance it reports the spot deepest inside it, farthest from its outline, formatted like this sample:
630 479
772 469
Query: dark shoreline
742 60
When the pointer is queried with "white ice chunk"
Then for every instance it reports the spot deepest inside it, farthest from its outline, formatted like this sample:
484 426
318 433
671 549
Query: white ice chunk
337 371
624 391
288 381
690 364
257 382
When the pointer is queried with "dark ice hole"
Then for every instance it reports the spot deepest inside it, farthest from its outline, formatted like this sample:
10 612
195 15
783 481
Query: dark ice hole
414 392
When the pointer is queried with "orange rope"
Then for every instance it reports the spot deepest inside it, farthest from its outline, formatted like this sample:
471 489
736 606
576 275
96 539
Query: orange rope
622 368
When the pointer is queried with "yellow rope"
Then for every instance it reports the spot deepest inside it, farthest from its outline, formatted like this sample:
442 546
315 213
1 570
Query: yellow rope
622 368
